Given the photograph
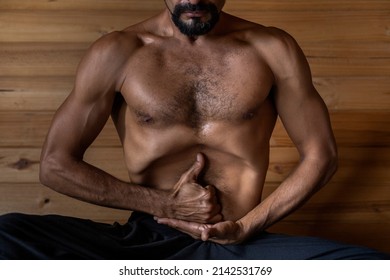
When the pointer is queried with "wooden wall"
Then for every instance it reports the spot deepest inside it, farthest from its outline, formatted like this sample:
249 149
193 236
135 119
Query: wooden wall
347 43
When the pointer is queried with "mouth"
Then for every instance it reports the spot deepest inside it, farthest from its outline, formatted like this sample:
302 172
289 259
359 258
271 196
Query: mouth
195 20
193 14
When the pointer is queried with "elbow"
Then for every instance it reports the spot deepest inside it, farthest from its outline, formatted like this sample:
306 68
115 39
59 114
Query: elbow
48 170
333 163
330 162
324 160
45 171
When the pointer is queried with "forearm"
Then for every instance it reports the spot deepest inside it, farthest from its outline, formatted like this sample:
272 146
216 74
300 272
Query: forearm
308 177
85 182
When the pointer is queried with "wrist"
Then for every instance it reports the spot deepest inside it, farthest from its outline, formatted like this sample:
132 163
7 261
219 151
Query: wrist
161 205
249 227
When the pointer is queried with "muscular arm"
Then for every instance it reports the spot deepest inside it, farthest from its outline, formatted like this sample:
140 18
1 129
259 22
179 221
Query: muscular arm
306 120
78 122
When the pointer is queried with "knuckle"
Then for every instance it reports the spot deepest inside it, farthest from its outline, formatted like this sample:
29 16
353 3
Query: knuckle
207 195
207 210
209 214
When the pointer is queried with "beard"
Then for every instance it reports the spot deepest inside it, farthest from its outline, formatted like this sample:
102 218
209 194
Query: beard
195 26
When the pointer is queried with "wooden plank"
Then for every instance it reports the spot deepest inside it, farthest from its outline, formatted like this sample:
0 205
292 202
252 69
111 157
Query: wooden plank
367 47
361 128
370 192
21 165
65 26
231 5
345 57
365 201
351 128
327 26
86 26
38 199
29 129
34 93
44 93
39 59
363 67
354 93
345 212
305 5
84 5
356 165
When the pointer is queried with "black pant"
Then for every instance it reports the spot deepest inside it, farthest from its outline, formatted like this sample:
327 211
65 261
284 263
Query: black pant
58 237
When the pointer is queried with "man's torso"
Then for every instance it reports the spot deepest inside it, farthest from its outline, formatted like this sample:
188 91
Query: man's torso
178 100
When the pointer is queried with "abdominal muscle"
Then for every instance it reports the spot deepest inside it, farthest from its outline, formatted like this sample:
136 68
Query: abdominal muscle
237 177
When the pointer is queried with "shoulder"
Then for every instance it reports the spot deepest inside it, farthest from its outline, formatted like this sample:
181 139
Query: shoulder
255 32
267 40
109 54
275 47
114 46
119 46
275 41
278 49
103 63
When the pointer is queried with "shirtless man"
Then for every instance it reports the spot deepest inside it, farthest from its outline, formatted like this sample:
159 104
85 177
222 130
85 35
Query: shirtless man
194 93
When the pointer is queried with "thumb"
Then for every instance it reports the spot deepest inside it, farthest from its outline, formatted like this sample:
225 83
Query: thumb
192 173
210 232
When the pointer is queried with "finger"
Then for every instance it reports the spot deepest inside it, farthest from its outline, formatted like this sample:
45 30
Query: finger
179 224
191 228
205 234
192 173
213 193
211 233
215 208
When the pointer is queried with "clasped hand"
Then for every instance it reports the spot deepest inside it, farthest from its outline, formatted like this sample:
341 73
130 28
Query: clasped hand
197 212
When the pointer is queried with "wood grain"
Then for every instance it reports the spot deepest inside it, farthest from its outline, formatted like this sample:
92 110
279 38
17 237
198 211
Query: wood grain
347 43
235 5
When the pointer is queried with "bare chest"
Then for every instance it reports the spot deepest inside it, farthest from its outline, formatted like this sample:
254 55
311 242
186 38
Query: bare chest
177 89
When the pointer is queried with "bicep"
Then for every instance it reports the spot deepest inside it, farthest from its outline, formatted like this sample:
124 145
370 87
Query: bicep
84 113
306 119
75 126
300 107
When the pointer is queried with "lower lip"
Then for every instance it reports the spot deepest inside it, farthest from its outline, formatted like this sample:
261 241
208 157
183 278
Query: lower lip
195 14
